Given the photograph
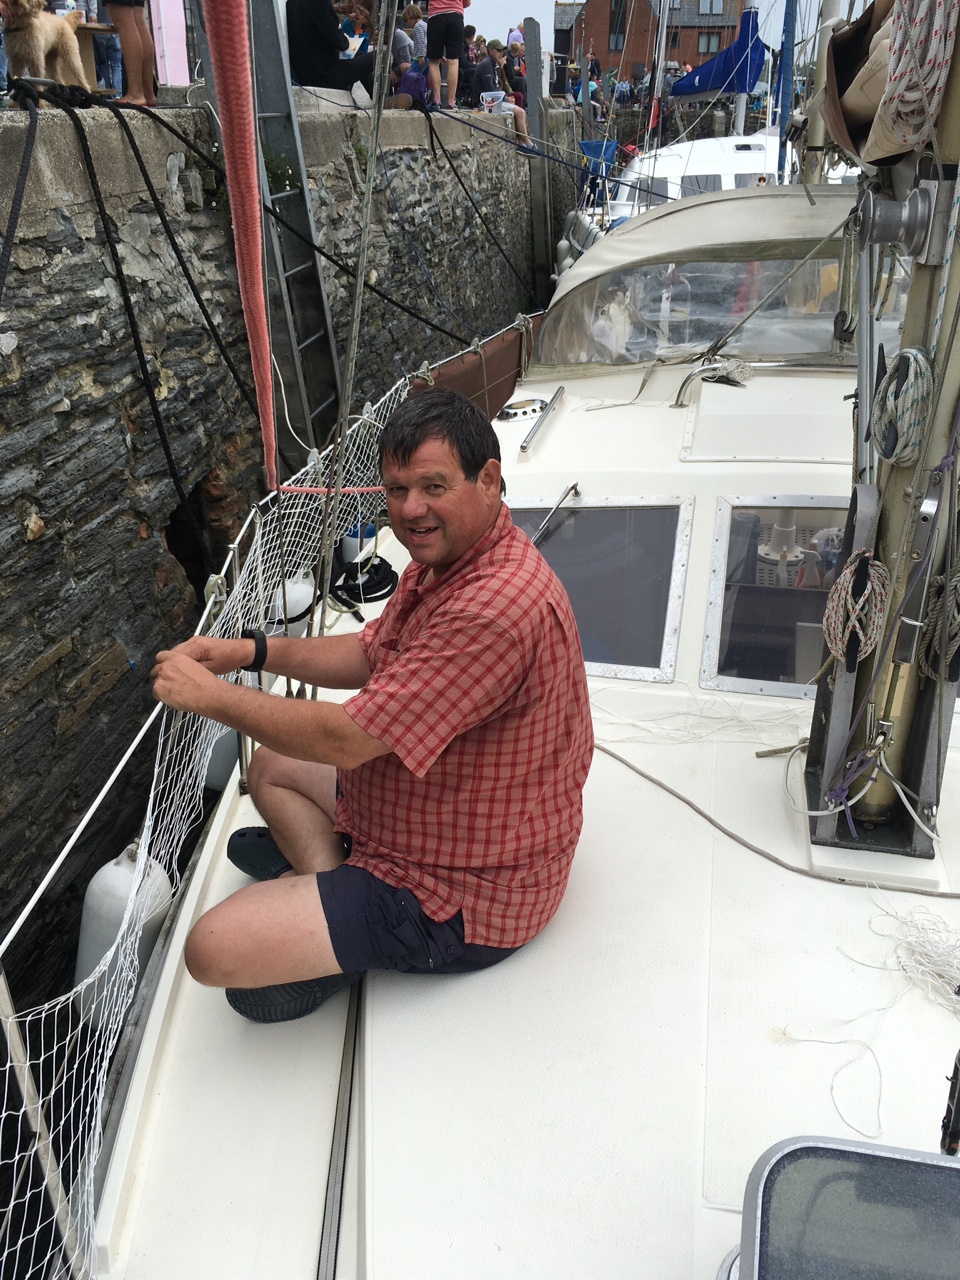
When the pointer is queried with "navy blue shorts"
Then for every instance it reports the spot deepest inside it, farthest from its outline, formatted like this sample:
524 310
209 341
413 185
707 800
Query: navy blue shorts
374 926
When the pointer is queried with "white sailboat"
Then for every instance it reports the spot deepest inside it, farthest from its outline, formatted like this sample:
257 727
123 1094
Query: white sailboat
657 174
731 968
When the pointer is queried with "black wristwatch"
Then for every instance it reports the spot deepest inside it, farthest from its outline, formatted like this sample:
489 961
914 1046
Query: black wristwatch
259 648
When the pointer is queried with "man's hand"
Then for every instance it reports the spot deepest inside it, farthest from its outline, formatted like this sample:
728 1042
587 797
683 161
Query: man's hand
218 656
184 682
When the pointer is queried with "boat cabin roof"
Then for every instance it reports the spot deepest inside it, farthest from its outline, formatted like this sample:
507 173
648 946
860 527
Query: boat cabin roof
717 227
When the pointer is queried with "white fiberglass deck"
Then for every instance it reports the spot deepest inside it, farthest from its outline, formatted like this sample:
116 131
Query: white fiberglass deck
590 1107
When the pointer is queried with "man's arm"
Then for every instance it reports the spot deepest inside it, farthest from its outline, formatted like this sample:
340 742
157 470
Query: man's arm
302 730
332 662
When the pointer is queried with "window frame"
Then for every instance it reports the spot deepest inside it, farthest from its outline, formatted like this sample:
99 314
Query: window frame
684 505
716 590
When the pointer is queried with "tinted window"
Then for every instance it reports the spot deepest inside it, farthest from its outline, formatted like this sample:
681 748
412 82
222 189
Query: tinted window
616 564
780 566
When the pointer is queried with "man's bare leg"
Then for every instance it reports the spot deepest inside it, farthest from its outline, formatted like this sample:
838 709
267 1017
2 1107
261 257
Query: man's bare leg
298 800
262 935
276 932
453 73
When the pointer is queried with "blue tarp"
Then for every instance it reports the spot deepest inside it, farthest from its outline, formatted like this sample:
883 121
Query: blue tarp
735 70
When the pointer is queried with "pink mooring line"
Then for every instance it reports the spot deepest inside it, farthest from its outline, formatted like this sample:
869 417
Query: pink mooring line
298 488
228 34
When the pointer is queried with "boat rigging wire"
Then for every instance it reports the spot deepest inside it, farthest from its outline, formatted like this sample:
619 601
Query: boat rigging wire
806 872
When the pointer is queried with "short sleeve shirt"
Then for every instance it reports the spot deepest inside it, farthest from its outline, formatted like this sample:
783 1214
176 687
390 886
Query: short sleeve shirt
478 687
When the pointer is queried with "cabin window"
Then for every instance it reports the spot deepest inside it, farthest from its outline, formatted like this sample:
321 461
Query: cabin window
623 565
774 562
692 185
708 42
650 310
755 179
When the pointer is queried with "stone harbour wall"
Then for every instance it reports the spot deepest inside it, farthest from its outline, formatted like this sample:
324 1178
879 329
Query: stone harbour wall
90 587
429 247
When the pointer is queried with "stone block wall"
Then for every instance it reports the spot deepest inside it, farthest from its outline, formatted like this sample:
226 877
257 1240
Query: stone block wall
89 587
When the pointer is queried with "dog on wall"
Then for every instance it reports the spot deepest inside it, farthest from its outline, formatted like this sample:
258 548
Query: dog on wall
40 44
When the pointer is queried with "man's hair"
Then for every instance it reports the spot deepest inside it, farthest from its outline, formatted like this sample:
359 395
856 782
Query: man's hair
440 414
469 33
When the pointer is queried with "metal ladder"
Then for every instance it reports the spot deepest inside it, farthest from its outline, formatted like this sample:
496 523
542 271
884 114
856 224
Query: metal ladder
307 372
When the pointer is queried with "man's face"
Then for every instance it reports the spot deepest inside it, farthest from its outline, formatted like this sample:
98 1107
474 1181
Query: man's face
435 511
499 56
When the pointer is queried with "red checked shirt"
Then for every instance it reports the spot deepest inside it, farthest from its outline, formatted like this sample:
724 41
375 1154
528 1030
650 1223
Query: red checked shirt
477 686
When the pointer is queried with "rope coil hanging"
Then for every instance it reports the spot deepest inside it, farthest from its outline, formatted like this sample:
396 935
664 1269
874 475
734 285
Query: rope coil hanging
845 615
921 43
941 596
902 415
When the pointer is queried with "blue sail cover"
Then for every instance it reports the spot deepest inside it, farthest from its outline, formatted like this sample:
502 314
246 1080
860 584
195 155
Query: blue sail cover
735 70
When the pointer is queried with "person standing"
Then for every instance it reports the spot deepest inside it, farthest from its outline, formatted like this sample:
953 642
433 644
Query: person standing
136 49
444 42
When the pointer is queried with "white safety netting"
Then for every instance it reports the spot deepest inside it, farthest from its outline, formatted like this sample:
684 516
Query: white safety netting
56 1072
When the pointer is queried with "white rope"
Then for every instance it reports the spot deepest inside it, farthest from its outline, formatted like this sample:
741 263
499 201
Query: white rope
921 43
844 615
907 412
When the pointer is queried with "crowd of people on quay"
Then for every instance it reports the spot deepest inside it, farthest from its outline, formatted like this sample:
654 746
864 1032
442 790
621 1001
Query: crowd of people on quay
439 61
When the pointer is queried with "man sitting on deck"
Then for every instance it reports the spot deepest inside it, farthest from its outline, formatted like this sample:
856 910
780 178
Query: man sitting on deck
437 810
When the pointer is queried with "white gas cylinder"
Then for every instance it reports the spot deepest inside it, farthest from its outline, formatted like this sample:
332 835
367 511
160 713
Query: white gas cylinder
104 906
299 592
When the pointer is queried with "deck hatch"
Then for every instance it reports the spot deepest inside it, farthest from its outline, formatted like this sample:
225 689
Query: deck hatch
772 566
834 1209
623 562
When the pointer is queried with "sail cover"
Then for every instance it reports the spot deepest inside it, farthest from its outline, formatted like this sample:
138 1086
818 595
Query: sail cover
735 70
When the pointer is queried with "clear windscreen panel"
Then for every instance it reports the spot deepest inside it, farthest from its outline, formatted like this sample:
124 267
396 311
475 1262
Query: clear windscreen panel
780 565
665 310
616 564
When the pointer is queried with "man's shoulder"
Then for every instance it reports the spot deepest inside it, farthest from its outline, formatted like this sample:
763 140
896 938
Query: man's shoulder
511 582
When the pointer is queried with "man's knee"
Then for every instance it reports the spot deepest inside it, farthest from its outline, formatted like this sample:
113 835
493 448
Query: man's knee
202 956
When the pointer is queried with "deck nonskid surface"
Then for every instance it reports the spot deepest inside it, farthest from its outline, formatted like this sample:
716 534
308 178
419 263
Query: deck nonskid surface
595 1103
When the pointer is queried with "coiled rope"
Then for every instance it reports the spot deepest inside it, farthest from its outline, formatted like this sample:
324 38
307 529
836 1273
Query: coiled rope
901 415
845 616
942 598
921 43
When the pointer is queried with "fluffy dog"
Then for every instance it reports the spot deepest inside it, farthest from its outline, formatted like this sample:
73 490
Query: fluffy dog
40 44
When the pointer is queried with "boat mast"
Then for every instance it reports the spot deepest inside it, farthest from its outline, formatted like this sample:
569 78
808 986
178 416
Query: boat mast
786 83
883 703
816 131
656 79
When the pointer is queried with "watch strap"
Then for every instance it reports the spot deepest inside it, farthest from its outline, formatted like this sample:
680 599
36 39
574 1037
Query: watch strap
259 648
